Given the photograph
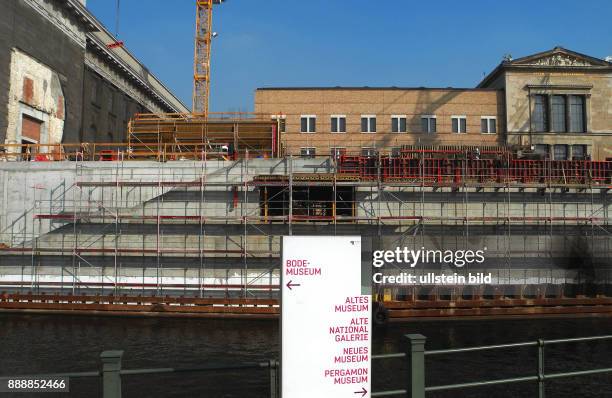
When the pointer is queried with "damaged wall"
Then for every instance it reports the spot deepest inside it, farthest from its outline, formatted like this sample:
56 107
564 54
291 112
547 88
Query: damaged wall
101 89
35 96
49 34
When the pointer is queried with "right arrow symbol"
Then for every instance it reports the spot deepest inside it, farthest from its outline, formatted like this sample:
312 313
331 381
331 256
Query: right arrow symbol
363 392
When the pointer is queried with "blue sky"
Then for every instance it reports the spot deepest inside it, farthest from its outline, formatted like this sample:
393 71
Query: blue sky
265 43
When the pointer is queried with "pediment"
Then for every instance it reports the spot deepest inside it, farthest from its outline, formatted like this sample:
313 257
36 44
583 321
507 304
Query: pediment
559 57
560 60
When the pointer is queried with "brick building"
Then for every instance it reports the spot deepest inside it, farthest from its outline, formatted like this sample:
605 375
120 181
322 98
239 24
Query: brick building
556 103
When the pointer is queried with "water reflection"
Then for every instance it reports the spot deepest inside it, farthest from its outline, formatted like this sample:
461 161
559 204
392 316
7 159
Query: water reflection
43 344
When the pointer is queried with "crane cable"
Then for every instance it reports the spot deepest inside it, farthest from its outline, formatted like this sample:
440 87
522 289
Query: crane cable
117 43
117 14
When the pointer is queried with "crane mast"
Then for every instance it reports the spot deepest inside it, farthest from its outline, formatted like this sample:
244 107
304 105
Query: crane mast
201 68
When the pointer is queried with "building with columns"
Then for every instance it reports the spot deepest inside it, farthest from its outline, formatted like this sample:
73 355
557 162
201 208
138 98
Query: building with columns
557 103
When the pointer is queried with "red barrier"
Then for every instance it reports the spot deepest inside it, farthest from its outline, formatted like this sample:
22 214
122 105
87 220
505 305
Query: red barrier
435 170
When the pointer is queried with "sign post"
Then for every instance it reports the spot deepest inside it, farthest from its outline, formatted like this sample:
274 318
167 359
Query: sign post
326 320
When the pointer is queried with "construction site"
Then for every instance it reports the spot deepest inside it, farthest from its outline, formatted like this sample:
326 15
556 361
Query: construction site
185 216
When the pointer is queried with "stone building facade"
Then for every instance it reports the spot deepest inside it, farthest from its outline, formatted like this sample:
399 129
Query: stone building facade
556 103
61 83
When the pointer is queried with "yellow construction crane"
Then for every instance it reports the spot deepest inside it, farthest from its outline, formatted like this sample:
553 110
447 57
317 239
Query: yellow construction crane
201 66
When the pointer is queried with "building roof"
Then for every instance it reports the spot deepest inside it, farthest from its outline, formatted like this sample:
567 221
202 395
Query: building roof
127 63
99 37
381 88
556 58
78 10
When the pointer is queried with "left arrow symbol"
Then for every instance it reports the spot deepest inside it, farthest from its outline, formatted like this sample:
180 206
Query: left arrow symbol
290 284
363 392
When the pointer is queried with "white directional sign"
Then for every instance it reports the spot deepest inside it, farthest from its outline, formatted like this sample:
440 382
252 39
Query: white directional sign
326 320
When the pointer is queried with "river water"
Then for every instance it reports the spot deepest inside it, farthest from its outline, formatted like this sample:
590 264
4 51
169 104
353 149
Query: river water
32 344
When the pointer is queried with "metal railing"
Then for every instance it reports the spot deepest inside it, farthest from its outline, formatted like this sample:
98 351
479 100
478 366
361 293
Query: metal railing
415 355
111 373
111 369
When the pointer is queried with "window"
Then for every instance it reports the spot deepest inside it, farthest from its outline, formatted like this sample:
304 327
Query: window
308 152
396 151
566 113
28 90
428 124
112 126
369 151
579 152
338 124
368 123
542 150
398 124
488 125
282 125
59 111
111 101
281 121
560 152
30 129
308 124
95 91
540 113
576 114
459 124
558 113
95 120
337 152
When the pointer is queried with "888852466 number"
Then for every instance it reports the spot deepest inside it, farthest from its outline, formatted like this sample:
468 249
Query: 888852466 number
42 384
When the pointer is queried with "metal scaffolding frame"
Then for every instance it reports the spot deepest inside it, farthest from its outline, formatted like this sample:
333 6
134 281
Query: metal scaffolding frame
113 203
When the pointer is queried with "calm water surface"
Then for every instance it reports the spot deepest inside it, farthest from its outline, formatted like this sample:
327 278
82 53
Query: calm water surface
44 344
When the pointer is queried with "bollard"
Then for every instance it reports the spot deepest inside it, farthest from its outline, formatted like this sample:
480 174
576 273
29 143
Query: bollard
541 386
111 377
415 354
274 393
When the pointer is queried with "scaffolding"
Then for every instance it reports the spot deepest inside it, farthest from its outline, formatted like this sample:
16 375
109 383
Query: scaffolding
211 228
188 136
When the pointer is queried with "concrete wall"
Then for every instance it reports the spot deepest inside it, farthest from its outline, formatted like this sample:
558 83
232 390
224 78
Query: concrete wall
176 249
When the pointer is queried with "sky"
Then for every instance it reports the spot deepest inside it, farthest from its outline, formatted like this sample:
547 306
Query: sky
280 43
